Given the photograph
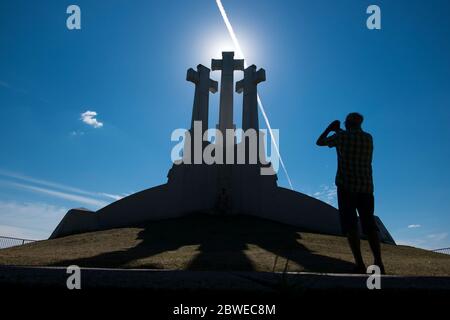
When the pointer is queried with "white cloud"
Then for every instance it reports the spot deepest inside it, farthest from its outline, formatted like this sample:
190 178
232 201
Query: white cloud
60 190
429 242
68 194
21 233
413 226
26 178
89 117
438 236
29 220
62 195
77 133
36 220
327 194
111 196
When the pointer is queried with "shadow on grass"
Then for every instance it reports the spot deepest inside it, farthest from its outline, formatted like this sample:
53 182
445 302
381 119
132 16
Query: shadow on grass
222 241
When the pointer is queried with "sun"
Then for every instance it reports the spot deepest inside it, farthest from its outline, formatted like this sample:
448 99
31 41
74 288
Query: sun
214 47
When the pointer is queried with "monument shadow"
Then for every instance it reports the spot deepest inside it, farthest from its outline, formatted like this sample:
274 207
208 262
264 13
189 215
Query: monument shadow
221 241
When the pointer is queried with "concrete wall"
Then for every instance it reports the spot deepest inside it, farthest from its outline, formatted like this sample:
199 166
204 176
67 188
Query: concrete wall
76 221
166 201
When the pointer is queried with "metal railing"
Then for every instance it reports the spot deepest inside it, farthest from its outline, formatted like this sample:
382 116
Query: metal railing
443 250
8 242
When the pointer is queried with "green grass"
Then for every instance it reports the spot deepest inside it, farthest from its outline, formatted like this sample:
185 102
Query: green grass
204 242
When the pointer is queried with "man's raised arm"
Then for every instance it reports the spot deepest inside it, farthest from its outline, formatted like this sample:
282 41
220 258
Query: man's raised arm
334 126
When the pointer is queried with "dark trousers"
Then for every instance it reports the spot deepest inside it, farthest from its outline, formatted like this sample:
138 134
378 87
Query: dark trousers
350 205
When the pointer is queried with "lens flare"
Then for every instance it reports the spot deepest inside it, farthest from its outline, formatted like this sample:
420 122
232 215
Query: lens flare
240 54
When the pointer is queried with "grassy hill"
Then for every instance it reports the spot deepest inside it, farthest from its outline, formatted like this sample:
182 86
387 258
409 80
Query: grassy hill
203 242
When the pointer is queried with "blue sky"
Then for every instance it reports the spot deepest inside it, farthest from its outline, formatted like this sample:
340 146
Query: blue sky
128 64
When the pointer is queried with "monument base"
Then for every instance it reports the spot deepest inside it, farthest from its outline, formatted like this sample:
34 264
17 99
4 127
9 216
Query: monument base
197 189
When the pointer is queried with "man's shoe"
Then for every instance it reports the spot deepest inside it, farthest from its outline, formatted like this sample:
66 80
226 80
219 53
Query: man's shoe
381 266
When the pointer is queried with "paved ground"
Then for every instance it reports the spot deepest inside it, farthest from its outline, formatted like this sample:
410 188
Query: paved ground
173 280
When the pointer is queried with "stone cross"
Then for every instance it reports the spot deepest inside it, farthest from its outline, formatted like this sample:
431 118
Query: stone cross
203 86
228 65
248 86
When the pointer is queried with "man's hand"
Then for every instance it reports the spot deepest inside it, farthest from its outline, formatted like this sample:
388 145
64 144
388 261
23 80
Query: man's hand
334 126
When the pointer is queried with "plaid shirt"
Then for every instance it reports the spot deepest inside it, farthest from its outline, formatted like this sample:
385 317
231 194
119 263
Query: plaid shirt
354 150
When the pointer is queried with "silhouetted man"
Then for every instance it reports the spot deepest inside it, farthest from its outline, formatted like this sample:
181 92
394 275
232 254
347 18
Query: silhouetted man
354 183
